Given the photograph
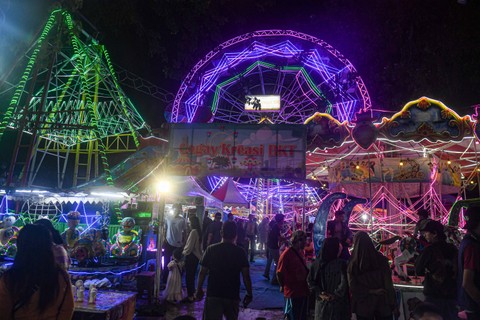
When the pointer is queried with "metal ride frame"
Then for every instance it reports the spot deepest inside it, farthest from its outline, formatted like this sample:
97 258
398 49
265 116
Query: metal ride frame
308 74
68 105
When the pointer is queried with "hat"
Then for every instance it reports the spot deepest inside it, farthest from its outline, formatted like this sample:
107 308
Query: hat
433 226
472 217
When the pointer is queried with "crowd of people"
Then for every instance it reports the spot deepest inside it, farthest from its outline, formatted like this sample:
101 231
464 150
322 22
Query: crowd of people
350 275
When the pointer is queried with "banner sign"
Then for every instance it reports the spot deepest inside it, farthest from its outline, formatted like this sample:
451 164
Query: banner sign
238 150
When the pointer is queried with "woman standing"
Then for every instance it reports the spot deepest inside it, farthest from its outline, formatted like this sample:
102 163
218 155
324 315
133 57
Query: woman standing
370 281
35 287
192 253
328 280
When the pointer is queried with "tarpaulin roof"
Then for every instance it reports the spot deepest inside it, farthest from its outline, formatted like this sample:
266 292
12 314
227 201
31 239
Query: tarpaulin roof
229 194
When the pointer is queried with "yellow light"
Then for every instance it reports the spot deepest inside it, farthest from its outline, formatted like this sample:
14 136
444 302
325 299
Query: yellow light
164 186
471 182
358 167
449 162
401 163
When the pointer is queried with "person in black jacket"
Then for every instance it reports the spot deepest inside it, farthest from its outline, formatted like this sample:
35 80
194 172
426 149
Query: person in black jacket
438 263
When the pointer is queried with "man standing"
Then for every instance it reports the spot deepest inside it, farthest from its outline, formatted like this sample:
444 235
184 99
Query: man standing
438 263
213 230
292 275
252 231
273 245
339 229
469 265
176 231
224 262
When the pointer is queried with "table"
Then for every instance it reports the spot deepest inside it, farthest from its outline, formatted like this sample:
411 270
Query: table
110 305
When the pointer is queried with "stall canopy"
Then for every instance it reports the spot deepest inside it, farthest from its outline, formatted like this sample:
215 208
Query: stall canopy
229 195
188 187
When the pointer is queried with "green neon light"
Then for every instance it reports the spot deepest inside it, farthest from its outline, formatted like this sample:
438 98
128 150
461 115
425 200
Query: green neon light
26 74
122 99
143 214
76 96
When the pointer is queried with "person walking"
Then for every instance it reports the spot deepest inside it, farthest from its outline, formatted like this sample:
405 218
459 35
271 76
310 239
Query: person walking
35 287
192 253
469 265
262 234
241 235
328 280
438 263
370 281
292 275
252 232
213 230
224 262
175 236
273 245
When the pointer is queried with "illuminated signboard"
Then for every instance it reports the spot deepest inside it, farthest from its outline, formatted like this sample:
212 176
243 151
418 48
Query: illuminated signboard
237 150
270 103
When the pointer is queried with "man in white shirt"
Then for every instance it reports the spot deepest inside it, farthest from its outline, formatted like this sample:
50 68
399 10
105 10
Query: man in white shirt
175 234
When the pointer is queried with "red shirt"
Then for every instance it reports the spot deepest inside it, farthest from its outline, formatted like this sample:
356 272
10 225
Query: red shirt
295 272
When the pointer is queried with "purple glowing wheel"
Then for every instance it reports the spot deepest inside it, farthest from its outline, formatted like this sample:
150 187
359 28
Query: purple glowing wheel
308 74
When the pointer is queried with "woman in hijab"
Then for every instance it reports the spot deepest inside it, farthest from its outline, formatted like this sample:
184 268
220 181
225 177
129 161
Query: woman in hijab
370 281
328 280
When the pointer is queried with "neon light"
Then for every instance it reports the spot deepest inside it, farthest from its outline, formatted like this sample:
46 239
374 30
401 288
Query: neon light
318 63
84 273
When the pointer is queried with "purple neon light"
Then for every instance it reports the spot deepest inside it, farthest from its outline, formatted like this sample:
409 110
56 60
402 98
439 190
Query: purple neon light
286 48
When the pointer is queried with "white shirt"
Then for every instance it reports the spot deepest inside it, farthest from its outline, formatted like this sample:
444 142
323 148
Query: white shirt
193 245
175 228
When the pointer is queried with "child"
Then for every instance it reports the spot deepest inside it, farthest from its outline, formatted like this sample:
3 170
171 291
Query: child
173 290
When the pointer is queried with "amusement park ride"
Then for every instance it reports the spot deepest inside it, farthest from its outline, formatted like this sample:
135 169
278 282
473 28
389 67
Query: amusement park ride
69 122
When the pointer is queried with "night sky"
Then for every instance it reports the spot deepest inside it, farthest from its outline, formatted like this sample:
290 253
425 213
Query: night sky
402 49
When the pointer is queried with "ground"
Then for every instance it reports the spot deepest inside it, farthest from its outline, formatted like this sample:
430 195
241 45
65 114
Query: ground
267 303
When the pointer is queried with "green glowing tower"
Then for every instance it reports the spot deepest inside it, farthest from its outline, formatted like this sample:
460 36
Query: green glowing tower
67 116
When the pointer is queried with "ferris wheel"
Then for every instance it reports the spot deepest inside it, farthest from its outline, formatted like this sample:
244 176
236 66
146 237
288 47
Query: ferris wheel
306 73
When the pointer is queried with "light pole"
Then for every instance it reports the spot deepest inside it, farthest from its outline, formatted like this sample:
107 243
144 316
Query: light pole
163 187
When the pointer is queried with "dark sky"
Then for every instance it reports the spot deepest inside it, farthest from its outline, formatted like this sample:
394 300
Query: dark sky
402 49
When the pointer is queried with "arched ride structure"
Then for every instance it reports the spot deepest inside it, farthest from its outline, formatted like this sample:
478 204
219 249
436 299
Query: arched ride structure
306 73
424 156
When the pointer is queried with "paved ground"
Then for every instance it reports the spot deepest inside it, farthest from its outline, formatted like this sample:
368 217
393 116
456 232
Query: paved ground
267 303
